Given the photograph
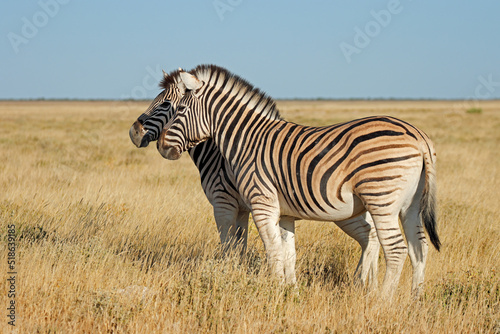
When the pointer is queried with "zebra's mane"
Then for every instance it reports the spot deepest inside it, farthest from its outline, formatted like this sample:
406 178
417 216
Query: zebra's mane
172 78
233 84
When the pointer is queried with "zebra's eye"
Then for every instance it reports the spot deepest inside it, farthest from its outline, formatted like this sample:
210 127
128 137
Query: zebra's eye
166 104
181 109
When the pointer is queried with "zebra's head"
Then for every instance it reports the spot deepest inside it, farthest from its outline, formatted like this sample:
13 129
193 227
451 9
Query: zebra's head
148 126
190 124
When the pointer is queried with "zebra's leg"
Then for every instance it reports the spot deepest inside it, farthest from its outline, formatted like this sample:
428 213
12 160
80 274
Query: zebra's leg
393 245
266 215
372 253
417 246
225 218
415 236
241 229
362 229
287 227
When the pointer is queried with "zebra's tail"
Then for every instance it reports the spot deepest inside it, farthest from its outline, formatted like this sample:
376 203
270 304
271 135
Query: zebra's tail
428 203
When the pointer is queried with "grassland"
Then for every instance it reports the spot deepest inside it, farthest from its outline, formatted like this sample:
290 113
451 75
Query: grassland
111 238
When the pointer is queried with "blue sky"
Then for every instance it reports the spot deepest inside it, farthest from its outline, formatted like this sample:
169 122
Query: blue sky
116 49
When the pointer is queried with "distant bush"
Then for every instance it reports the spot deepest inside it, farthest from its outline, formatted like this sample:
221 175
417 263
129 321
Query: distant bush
474 111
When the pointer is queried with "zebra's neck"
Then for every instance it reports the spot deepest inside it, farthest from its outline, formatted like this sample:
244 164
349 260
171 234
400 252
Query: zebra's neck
207 159
233 87
243 123
239 111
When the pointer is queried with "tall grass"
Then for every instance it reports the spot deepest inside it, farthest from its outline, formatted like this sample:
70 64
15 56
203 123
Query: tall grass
111 238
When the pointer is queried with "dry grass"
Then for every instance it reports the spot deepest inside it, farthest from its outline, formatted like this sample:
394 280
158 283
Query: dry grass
111 238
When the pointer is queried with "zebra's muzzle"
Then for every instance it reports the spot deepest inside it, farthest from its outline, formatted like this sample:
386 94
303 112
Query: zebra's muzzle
137 133
169 152
145 140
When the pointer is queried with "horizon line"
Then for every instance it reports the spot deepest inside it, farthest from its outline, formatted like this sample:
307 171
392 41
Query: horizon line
276 99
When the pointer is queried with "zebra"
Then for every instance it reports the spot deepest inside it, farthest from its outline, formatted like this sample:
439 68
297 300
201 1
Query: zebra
230 215
379 164
230 212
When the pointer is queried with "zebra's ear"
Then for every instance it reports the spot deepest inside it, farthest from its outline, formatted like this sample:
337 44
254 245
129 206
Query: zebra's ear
191 82
182 87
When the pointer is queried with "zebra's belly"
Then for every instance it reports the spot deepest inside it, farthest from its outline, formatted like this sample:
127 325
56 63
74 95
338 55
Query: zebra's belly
350 207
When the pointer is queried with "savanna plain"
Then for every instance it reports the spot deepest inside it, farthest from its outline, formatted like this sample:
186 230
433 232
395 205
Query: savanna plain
115 239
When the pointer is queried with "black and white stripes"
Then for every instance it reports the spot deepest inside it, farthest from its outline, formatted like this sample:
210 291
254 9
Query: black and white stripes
377 164
217 180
